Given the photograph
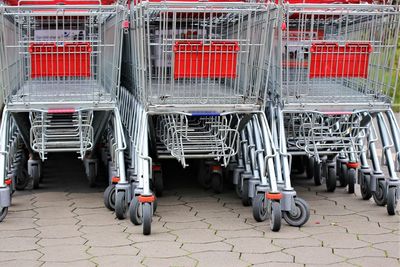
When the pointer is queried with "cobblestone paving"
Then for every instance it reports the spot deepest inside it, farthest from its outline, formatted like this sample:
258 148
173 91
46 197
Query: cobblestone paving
65 224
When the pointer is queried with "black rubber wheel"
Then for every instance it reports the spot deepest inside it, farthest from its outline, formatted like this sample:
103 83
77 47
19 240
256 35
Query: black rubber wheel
331 180
134 211
3 213
109 197
158 182
276 216
246 201
217 182
300 215
238 189
120 205
147 214
203 176
35 176
260 209
343 181
317 173
299 164
365 186
351 179
310 168
22 179
92 175
380 193
391 200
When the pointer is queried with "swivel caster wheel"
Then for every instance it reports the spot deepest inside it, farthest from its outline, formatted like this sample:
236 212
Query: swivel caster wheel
147 216
246 200
260 209
217 182
365 186
3 213
135 212
392 200
299 215
276 216
317 173
120 205
380 193
331 180
351 179
109 197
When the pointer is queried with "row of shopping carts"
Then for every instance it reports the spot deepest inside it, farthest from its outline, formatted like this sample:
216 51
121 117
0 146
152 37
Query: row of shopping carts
251 87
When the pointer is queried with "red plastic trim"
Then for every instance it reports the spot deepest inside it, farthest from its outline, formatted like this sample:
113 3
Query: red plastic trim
146 199
115 180
352 165
273 196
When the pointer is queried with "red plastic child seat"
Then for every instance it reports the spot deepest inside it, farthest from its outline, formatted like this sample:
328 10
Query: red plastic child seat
68 60
332 60
193 59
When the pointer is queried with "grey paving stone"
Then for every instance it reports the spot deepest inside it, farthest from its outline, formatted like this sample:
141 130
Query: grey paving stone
24 255
240 233
60 221
375 261
107 239
364 228
215 246
177 216
380 238
176 261
15 224
297 242
221 259
232 224
312 230
47 242
54 212
85 263
161 249
340 240
196 236
278 264
22 213
252 245
187 225
109 251
19 233
19 263
102 229
106 218
45 204
118 261
66 253
358 252
274 257
392 249
59 231
316 255
17 244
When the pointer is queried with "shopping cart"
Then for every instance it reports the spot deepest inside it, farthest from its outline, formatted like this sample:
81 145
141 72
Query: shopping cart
336 75
194 75
59 74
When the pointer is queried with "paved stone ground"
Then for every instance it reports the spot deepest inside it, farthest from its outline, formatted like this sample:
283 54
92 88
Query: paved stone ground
65 224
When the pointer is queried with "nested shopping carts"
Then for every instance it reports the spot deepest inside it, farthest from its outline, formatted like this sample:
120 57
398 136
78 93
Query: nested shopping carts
335 81
194 76
59 74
